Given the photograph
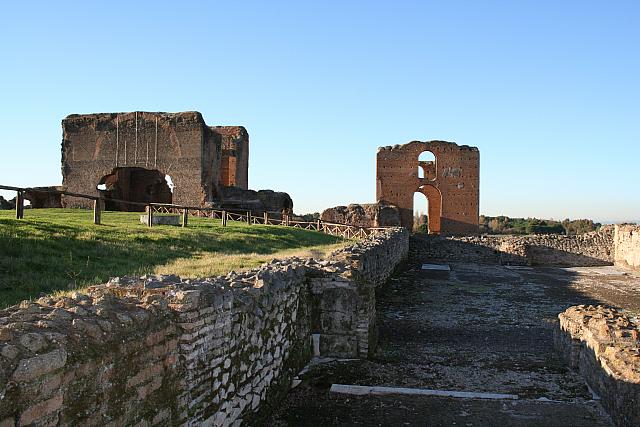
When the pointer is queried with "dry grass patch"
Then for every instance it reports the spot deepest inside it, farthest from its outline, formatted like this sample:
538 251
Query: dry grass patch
207 264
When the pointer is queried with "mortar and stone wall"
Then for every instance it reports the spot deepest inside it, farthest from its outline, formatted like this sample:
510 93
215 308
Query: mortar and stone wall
589 249
627 246
162 350
603 345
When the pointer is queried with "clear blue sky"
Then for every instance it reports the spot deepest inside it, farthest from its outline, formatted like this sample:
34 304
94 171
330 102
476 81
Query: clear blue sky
547 90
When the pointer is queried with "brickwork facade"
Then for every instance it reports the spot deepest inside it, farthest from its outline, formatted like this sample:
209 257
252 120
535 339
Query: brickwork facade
451 184
181 145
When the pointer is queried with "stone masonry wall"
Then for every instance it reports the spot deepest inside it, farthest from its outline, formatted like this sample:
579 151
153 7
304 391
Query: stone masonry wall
603 345
627 246
347 300
167 351
589 249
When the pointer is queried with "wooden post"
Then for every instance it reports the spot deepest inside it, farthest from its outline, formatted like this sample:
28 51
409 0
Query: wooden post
97 211
149 210
266 218
224 218
249 217
185 216
318 225
19 205
286 220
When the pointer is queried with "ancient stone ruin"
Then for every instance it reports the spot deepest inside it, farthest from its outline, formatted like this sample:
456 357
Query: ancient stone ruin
160 350
157 157
363 215
449 178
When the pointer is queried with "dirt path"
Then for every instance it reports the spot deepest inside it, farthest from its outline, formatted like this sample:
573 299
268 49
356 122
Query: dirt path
481 328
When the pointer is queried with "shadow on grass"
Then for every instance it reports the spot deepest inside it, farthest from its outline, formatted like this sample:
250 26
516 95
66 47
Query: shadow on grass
59 251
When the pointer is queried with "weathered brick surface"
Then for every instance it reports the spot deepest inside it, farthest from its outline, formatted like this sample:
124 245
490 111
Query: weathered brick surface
589 249
627 246
188 352
451 184
178 144
603 345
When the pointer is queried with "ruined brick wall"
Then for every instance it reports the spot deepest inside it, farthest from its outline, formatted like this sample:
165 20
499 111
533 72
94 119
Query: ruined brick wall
166 351
627 246
603 344
180 145
451 184
234 164
589 249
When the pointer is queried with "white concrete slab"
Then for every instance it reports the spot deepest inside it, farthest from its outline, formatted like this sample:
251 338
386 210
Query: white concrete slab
361 390
607 270
436 267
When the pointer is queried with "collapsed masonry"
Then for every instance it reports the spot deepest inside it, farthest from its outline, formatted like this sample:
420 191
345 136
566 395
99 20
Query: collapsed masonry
363 215
159 157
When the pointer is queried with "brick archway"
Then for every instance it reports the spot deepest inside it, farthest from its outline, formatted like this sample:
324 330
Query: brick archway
451 181
134 184
434 197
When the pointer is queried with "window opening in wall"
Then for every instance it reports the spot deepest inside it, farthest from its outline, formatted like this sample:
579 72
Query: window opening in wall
427 165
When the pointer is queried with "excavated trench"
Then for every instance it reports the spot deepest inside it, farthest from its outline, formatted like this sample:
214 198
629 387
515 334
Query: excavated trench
479 328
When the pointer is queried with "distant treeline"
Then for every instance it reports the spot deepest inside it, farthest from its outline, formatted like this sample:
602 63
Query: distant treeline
506 225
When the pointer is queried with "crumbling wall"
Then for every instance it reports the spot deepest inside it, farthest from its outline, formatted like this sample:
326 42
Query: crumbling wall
627 246
93 145
234 198
451 184
44 197
366 215
346 297
589 249
603 345
166 351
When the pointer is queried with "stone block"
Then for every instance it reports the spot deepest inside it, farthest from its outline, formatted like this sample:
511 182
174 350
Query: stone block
161 219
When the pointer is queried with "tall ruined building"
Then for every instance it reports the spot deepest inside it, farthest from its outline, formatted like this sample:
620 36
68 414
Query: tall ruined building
448 174
151 157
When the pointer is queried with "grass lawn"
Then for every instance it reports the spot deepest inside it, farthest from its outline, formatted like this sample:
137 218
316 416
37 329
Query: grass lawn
60 249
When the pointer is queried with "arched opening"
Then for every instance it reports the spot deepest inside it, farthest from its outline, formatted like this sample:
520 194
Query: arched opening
420 213
427 166
135 185
434 207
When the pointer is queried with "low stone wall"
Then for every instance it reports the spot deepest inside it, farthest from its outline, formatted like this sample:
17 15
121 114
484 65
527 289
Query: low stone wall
627 246
347 298
589 249
603 345
162 350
